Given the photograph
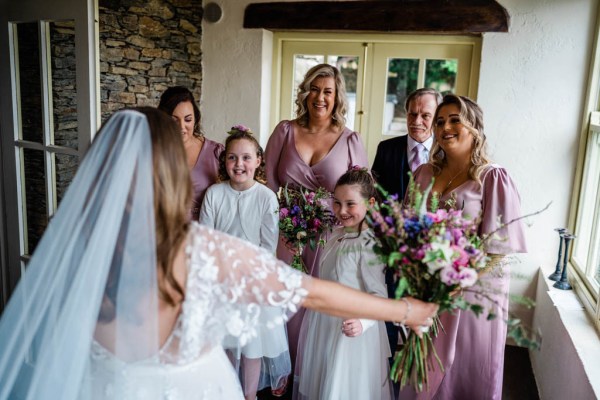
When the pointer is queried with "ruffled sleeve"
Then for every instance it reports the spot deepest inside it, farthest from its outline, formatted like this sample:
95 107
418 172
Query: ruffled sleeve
501 203
228 282
357 155
273 153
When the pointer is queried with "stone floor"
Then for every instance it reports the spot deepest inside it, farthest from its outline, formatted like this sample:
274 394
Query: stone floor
519 383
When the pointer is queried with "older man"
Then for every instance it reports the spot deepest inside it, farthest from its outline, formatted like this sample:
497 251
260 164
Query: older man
398 156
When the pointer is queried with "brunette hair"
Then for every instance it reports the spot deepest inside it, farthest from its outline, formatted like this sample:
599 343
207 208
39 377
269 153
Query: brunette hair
239 132
172 192
471 116
174 95
341 100
362 178
172 196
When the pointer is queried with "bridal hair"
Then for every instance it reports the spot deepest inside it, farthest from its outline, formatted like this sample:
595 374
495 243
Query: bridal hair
471 116
172 193
174 95
172 196
240 132
341 100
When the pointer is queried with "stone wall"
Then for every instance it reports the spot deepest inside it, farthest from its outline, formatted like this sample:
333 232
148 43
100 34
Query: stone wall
145 47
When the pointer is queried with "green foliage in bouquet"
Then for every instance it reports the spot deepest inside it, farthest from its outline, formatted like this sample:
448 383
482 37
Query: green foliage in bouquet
436 255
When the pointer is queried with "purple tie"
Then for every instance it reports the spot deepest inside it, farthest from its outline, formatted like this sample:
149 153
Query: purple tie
419 156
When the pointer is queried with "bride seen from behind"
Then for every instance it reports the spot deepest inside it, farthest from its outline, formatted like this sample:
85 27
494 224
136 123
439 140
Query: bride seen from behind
125 298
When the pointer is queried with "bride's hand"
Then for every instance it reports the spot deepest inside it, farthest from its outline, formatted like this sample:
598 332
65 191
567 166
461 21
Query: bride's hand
419 314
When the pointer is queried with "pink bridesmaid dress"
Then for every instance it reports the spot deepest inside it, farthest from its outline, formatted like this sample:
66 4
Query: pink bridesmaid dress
285 166
472 349
204 173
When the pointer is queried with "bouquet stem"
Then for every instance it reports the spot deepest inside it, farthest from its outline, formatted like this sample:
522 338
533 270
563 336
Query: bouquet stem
412 364
297 261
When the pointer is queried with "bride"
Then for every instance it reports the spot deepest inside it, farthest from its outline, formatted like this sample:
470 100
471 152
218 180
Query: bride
125 298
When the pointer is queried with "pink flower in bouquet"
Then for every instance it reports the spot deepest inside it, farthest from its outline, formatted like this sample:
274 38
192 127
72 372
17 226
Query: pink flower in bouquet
316 224
461 257
438 216
465 277
310 197
284 212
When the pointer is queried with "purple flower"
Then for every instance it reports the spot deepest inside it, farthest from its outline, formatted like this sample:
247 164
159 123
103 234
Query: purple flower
240 128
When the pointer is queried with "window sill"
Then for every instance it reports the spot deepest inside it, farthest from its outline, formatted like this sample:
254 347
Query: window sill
568 364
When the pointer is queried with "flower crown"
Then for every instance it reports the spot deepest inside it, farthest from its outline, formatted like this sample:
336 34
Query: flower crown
358 168
240 128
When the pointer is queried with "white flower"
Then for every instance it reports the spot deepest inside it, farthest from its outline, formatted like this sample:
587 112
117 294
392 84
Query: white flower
300 235
235 325
437 264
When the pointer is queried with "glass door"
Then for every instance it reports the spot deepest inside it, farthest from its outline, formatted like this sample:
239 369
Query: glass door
399 69
380 71
298 57
49 87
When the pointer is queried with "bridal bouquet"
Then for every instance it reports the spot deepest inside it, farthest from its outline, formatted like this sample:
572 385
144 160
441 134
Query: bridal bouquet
303 216
435 256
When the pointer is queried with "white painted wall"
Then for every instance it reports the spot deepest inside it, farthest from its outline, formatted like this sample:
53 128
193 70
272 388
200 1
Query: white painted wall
532 90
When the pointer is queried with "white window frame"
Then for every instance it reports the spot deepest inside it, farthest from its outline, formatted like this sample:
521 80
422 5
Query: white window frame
585 202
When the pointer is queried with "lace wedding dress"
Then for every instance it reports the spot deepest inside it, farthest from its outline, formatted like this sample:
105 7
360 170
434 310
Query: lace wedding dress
192 363
86 320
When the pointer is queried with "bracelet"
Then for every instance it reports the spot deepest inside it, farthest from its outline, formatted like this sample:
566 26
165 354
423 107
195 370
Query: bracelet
408 310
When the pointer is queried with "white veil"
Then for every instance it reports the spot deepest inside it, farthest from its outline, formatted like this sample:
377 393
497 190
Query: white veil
96 262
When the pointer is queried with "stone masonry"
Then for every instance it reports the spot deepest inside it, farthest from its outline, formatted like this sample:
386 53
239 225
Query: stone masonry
145 47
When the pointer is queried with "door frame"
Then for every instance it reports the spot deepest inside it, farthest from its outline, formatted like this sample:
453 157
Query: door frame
85 15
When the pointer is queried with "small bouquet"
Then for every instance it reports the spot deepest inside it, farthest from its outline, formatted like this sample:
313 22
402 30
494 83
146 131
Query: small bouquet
303 216
435 256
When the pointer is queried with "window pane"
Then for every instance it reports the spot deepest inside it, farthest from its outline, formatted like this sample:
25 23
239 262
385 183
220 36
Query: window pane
29 80
36 216
401 81
302 63
348 66
441 75
64 100
587 205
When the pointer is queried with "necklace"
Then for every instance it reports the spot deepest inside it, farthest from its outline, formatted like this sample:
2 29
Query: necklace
452 180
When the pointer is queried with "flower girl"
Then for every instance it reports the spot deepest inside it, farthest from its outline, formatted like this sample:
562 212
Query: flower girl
348 359
243 206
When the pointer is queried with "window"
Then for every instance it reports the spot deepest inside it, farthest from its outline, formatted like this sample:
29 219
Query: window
585 258
380 71
586 248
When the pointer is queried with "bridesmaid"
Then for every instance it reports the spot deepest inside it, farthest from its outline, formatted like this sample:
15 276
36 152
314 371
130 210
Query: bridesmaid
470 348
202 153
313 151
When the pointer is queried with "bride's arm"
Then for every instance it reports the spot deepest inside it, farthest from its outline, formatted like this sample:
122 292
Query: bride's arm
338 300
249 275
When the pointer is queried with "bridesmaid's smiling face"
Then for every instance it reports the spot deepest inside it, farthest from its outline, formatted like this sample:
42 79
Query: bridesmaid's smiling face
320 101
451 134
183 114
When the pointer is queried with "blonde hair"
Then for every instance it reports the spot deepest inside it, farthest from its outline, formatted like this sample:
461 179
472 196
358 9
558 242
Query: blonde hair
341 100
471 116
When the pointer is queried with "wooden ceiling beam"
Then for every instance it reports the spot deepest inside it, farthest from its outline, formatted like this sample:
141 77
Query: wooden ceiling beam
448 16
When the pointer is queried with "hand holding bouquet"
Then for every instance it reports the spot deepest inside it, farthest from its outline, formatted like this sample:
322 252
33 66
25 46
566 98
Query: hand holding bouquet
435 256
303 216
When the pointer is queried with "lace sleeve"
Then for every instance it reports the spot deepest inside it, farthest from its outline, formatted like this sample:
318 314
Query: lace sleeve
231 280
